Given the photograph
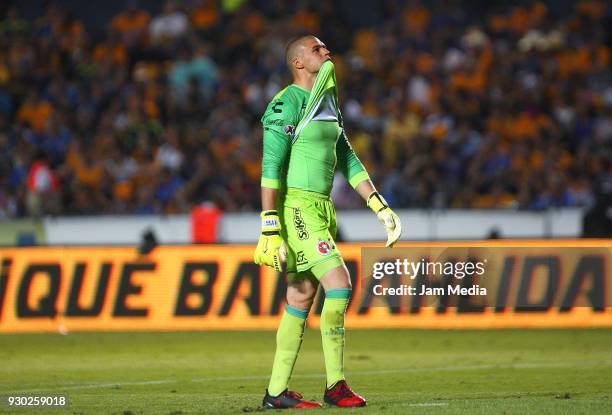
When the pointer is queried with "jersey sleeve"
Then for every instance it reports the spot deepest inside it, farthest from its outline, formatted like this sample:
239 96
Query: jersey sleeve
348 162
278 128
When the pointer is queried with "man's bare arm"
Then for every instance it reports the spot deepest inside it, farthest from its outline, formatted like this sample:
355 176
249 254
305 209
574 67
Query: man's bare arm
365 189
268 198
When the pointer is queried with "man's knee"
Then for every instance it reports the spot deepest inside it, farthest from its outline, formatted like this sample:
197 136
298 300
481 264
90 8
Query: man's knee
335 278
301 294
300 303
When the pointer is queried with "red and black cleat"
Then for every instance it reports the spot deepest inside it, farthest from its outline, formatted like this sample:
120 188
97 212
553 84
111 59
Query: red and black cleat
341 395
287 399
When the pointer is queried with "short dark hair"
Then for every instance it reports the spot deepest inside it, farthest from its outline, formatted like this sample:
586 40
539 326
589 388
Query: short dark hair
291 44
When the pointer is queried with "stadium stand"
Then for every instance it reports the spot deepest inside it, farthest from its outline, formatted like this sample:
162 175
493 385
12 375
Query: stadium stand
505 106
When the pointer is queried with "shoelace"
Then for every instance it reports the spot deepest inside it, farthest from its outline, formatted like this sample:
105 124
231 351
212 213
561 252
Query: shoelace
294 394
342 391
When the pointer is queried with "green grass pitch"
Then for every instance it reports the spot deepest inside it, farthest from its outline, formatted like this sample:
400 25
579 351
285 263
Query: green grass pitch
398 371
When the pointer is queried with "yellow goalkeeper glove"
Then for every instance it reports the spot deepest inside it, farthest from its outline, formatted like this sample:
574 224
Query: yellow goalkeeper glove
270 249
386 216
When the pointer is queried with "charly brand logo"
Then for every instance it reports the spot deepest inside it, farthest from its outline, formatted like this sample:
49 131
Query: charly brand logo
299 224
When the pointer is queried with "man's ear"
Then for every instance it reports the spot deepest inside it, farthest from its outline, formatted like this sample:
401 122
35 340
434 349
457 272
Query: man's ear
297 63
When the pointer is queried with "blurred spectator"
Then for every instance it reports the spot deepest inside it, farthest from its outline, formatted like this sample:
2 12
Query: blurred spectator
14 25
132 25
169 26
167 192
193 68
121 170
169 155
8 204
35 112
110 51
205 16
43 185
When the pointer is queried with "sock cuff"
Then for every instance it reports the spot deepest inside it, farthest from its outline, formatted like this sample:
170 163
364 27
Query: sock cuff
338 293
296 312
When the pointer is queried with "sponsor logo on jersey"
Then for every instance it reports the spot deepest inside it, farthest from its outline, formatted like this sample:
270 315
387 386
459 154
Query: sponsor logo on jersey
299 224
289 129
278 123
324 247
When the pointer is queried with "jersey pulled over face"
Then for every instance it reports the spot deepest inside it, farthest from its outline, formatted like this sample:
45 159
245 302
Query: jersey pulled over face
314 54
304 140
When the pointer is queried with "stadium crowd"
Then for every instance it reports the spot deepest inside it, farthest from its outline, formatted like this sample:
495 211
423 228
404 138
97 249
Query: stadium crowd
508 108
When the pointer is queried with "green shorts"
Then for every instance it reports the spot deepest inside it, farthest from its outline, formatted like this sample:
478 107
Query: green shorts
308 223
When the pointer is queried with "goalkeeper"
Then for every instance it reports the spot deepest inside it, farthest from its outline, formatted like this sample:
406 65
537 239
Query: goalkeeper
304 142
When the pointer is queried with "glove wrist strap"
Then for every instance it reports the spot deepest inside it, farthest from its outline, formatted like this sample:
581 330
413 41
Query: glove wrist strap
270 223
376 202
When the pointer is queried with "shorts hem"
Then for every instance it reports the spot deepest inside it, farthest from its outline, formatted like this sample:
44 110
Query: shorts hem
320 267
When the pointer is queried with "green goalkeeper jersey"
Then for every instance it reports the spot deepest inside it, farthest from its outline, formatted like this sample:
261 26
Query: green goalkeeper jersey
304 139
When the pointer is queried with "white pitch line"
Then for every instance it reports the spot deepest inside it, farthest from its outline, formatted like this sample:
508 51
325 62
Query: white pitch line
94 386
429 404
416 370
316 375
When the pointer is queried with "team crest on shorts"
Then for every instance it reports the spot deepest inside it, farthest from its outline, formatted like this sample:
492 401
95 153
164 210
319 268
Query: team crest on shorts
324 247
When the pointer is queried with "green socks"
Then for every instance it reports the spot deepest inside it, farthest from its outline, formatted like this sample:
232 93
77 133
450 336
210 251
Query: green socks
288 342
289 339
332 332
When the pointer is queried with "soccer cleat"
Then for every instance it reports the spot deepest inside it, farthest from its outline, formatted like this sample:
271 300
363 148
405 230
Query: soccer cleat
287 399
341 395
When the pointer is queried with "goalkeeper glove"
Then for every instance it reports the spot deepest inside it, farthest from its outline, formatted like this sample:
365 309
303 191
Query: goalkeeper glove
270 249
386 216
